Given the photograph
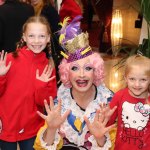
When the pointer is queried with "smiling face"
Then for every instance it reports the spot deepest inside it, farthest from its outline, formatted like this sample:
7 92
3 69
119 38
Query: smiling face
36 37
138 82
81 75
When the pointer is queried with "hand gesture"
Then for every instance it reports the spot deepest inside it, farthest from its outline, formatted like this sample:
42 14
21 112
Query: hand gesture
98 127
45 76
3 68
107 112
1 126
54 119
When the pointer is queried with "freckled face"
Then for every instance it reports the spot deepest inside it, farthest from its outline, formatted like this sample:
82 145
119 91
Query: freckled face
138 82
36 37
81 75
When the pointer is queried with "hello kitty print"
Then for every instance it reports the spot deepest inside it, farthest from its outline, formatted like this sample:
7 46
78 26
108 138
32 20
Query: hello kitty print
135 118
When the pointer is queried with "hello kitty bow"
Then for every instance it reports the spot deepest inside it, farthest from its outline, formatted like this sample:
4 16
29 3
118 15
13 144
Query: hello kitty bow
139 107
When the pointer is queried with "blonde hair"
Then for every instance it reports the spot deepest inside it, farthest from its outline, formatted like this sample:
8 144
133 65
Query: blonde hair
22 43
138 60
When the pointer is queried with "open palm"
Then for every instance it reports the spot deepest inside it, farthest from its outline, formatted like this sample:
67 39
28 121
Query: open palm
3 68
54 119
46 74
100 122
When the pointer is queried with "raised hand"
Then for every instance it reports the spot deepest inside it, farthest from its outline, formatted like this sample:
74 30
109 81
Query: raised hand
3 68
46 74
54 119
107 112
98 127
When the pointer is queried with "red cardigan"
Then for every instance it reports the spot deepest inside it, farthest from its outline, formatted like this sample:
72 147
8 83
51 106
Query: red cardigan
21 95
69 8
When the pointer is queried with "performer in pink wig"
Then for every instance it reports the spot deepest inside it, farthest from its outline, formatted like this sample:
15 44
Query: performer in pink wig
76 120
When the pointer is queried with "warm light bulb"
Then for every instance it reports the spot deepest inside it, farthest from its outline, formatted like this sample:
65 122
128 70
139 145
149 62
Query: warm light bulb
116 31
116 74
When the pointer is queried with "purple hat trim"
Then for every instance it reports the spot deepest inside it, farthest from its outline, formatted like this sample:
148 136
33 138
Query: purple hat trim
78 55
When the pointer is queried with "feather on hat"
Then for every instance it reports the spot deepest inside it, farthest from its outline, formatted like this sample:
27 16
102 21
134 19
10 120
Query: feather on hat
74 42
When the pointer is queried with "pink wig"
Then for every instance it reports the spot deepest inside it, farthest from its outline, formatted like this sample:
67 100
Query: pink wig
97 63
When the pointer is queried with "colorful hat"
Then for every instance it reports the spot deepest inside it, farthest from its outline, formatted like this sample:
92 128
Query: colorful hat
74 42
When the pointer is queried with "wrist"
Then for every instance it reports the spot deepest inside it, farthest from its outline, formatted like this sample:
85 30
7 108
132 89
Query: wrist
51 131
49 136
49 143
101 142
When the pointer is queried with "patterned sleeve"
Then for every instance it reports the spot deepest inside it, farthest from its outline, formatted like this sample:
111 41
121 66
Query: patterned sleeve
95 146
40 144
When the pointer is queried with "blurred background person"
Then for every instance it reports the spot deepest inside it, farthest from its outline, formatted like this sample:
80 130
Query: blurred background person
90 10
70 8
46 8
1 2
13 15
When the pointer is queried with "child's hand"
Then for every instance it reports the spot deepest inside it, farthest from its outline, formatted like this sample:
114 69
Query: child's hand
53 117
45 76
1 126
3 68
